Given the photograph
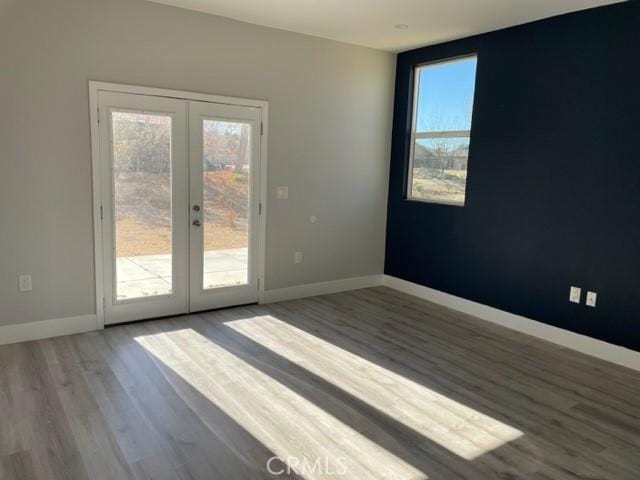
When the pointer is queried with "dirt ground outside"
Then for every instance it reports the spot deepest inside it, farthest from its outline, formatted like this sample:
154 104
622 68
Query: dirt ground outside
143 212
136 239
436 184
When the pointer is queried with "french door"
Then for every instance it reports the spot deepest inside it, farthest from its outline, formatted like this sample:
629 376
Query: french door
224 181
179 204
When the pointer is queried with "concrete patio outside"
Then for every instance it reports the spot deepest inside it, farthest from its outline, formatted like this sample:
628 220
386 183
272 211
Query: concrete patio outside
150 275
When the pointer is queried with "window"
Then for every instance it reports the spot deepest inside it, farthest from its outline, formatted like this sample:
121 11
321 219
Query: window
441 131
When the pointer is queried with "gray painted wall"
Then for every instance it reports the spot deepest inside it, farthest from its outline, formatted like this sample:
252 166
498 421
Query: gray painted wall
330 114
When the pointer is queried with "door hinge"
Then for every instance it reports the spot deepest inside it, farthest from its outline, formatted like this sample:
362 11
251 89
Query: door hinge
261 128
260 209
98 114
258 284
101 213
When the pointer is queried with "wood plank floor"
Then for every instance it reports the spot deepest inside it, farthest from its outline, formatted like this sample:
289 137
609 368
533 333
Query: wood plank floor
369 384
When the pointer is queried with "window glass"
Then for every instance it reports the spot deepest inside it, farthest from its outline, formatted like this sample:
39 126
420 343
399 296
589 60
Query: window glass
441 131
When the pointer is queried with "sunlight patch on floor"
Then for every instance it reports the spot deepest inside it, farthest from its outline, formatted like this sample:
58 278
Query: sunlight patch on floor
452 425
283 421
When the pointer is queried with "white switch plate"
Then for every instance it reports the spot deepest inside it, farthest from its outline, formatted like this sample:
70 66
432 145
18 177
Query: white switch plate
24 283
297 257
591 299
574 294
282 193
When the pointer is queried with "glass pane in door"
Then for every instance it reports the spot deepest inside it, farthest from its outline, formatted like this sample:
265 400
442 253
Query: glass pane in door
142 204
226 154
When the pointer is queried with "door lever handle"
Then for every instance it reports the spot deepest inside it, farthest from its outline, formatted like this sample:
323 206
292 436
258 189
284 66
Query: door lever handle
196 223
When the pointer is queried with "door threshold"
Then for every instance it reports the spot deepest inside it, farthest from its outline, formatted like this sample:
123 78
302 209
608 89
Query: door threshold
166 317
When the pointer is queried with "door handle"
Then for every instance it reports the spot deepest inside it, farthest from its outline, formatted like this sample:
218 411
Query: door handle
196 208
196 223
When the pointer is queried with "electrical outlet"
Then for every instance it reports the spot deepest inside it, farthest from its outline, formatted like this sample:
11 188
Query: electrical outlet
591 299
297 257
24 283
574 294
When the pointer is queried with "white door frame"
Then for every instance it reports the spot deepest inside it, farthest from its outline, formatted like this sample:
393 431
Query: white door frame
94 89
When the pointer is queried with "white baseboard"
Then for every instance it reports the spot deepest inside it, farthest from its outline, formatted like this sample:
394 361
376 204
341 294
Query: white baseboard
23 332
321 288
581 343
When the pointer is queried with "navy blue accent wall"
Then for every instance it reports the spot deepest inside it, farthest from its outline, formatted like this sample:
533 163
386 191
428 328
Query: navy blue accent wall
553 190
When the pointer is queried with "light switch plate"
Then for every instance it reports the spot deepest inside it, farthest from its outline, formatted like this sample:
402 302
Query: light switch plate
282 193
297 257
591 299
24 283
574 294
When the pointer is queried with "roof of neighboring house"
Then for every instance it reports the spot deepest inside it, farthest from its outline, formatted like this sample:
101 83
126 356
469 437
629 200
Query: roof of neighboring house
423 152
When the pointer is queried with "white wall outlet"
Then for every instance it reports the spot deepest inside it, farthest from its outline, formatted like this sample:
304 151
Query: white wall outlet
591 299
574 294
24 283
297 257
282 193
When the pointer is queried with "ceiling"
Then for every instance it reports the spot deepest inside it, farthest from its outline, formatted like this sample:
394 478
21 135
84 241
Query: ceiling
371 23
